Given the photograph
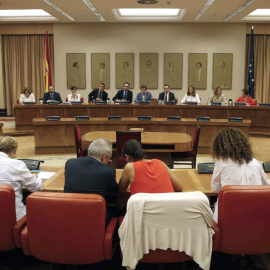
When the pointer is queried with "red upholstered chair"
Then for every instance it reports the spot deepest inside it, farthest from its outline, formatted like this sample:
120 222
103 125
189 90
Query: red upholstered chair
18 101
68 228
121 138
176 100
10 230
187 158
244 220
78 142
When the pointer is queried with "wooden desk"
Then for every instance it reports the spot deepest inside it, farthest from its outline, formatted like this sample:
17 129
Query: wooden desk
190 178
58 137
24 114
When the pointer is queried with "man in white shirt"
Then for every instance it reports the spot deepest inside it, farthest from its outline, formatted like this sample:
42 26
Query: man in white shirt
15 173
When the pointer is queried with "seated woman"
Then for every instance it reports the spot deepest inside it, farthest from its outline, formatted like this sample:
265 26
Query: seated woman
74 96
14 173
218 97
234 163
146 175
245 98
191 96
27 96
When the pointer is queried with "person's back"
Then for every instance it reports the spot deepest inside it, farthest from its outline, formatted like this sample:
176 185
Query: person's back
150 177
88 175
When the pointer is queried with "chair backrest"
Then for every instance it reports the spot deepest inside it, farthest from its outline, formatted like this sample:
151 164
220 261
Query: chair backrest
78 142
176 100
196 139
7 217
121 138
244 219
187 216
66 228
18 101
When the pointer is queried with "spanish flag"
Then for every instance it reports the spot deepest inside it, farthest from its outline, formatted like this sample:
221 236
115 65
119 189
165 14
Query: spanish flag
48 75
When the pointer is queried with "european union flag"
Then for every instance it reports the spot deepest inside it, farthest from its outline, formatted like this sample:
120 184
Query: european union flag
251 82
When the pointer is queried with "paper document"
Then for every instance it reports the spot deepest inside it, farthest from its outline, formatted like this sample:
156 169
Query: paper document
46 175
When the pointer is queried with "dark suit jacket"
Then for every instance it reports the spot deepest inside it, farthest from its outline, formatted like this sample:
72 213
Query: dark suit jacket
94 95
171 96
120 95
88 175
56 96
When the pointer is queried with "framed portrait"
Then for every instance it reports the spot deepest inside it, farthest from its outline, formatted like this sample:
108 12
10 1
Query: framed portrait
173 66
100 69
222 70
197 70
149 70
76 70
124 66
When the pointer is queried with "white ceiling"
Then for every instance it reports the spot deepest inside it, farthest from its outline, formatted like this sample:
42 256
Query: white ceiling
81 13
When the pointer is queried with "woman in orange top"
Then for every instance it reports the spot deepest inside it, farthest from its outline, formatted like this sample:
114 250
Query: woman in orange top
146 175
245 98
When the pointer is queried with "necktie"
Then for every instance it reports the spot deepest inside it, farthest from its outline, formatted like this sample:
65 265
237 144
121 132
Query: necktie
125 95
52 97
166 97
99 94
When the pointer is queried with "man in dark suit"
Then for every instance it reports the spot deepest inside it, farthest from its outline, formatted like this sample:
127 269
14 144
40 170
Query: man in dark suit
91 174
166 95
124 94
98 94
51 95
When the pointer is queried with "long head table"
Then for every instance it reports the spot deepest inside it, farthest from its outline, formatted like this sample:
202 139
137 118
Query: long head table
24 114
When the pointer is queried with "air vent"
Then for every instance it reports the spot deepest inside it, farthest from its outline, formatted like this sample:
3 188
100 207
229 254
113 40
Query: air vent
147 2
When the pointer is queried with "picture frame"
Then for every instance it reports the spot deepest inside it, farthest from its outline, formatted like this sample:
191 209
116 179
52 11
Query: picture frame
222 70
149 70
100 69
76 70
197 70
124 69
173 70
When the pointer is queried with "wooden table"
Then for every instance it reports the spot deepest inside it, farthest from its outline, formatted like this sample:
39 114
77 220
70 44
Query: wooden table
190 178
24 114
58 136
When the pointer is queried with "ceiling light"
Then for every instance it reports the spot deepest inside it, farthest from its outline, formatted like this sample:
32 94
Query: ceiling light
147 2
258 15
202 11
149 11
149 14
93 8
238 10
58 9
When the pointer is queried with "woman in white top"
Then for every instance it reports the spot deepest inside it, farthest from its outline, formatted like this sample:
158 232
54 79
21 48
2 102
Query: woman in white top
234 164
191 96
14 173
27 96
74 96
218 97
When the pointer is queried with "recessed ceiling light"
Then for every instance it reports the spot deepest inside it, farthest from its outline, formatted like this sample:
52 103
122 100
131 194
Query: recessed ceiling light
202 11
247 3
149 14
50 3
258 15
25 15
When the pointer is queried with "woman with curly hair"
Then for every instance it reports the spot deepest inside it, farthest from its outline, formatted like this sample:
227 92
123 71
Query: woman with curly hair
218 96
234 162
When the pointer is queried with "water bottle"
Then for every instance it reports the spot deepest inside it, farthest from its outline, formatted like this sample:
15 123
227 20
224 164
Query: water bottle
108 101
230 103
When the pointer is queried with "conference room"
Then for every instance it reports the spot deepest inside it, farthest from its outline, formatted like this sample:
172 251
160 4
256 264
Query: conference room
205 45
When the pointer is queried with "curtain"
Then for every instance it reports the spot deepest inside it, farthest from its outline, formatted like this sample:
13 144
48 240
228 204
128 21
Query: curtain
261 65
24 65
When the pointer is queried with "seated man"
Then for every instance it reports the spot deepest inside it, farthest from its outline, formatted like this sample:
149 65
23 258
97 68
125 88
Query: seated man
124 94
166 95
51 95
144 95
91 174
15 173
98 94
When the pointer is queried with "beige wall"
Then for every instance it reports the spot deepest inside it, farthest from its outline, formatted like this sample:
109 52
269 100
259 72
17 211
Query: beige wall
159 38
